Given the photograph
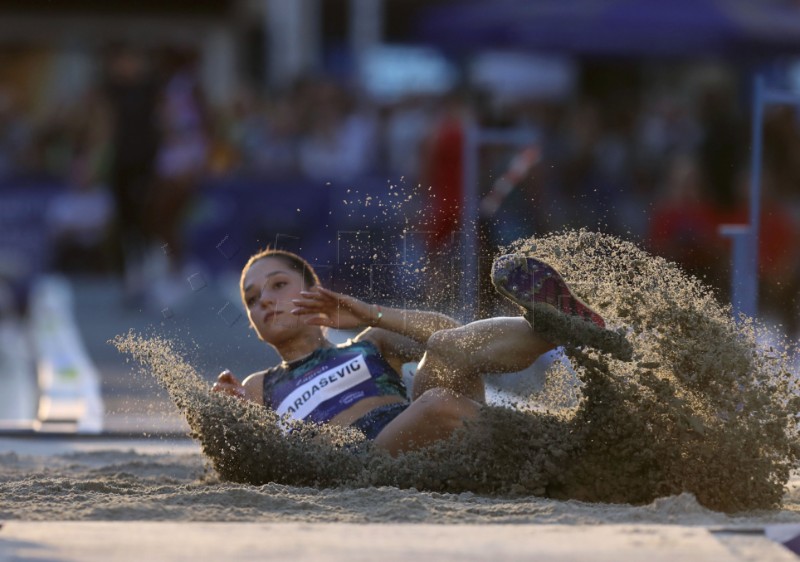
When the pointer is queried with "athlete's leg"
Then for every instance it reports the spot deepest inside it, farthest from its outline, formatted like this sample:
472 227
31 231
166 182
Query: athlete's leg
448 386
551 307
456 359
432 417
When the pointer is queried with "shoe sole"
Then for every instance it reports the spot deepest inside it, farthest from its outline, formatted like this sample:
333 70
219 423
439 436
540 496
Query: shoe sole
558 313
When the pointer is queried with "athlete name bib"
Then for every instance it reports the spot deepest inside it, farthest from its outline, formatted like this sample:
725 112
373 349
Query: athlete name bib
326 390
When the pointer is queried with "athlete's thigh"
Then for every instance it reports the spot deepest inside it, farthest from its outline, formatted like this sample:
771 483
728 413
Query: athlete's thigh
498 345
433 416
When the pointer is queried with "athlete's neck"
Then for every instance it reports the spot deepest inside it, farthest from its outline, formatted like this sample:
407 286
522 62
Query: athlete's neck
302 346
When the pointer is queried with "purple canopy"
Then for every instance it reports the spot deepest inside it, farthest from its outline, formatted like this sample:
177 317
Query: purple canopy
617 27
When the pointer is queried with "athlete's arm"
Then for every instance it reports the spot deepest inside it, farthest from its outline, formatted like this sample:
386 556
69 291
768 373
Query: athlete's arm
395 348
335 310
250 389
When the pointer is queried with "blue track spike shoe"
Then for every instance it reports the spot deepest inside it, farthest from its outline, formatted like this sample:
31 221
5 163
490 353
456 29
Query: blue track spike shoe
551 308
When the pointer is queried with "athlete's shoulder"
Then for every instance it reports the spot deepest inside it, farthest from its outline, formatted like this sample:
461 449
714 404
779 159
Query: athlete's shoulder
265 373
254 386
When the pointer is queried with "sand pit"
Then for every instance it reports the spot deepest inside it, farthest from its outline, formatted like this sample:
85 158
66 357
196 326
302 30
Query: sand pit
699 430
151 480
111 500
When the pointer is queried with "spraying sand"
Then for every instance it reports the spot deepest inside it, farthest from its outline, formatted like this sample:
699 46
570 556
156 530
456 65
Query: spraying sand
702 413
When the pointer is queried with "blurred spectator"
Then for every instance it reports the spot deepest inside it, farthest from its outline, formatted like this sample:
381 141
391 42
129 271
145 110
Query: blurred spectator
339 142
509 207
579 135
266 134
683 226
782 153
406 125
778 255
182 155
597 168
133 93
722 146
442 173
782 160
665 129
80 218
442 184
14 133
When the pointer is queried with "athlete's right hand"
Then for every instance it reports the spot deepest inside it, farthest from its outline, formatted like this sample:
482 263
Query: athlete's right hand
229 384
331 309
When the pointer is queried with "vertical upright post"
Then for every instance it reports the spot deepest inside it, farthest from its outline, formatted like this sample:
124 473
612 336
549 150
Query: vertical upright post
366 25
474 139
469 220
750 304
293 37
744 238
743 280
218 71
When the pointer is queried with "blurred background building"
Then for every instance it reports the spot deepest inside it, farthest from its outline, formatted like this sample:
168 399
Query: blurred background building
148 147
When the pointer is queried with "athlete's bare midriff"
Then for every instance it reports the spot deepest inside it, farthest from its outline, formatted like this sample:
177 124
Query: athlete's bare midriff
362 407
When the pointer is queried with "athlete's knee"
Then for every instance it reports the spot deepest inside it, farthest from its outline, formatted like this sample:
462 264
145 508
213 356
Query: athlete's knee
444 343
439 395
442 405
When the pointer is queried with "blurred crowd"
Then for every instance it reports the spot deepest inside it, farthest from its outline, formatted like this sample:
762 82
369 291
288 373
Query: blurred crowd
662 166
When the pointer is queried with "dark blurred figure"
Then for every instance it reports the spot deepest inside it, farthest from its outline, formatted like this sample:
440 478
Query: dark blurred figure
596 165
683 226
782 210
442 185
133 94
722 147
181 161
79 217
442 172
14 133
339 137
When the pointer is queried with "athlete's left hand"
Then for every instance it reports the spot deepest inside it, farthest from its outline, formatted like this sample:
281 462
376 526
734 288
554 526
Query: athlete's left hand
331 309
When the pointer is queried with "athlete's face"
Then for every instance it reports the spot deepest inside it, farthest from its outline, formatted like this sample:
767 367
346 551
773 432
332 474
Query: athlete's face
268 288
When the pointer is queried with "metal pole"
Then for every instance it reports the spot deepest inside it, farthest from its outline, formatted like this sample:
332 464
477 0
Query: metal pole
749 302
755 169
744 274
474 139
469 219
741 289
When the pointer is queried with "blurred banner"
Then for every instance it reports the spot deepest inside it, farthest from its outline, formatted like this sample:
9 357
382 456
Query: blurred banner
618 27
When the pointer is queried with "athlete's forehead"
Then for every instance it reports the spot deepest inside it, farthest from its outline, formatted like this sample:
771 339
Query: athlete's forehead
261 270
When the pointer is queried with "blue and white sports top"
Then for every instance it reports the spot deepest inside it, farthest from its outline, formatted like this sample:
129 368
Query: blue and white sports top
330 380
